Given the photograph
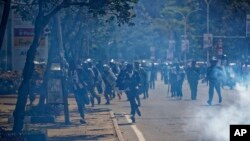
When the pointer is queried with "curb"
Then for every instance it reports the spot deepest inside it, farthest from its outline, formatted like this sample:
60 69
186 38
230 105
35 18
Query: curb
8 95
117 129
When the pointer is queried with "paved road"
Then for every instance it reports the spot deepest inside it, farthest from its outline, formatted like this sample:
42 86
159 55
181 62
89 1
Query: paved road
166 119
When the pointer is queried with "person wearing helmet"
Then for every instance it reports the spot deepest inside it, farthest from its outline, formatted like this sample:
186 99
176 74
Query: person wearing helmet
114 67
109 80
193 75
132 81
88 77
120 82
116 70
97 80
80 91
214 77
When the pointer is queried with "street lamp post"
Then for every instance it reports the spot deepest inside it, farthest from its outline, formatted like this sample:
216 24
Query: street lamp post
208 14
185 18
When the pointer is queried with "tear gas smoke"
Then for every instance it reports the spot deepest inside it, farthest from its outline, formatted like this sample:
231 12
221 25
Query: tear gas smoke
215 121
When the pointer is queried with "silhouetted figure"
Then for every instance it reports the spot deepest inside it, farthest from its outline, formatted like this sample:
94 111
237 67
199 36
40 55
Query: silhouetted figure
193 76
153 75
214 77
132 86
180 75
109 79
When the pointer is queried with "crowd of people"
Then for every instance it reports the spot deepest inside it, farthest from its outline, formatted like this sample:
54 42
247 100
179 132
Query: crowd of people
89 80
218 74
113 78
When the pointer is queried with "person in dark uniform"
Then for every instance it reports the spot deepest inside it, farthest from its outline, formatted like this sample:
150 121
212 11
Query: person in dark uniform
180 75
132 79
97 79
172 81
142 79
193 76
109 79
214 77
88 77
146 75
165 71
80 92
116 70
153 76
120 82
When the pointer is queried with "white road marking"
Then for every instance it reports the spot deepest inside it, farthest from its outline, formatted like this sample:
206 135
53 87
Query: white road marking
136 130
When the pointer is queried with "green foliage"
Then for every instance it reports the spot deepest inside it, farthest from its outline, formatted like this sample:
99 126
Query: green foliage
155 23
28 9
119 9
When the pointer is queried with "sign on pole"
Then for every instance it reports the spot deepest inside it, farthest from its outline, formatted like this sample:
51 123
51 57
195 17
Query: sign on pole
220 48
171 49
248 25
152 51
207 41
184 45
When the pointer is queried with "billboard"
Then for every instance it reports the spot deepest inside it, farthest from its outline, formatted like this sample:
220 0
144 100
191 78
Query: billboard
22 37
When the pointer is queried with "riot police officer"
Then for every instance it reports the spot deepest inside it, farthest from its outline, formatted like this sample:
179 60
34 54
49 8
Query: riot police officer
109 79
88 77
214 77
145 82
193 76
132 79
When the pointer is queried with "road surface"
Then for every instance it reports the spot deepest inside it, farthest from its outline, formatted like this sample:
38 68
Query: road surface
167 119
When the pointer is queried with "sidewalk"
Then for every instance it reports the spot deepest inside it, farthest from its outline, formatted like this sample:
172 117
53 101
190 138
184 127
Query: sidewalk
101 123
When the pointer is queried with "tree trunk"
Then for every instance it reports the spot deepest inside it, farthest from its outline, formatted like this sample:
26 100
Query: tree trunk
28 70
63 64
4 20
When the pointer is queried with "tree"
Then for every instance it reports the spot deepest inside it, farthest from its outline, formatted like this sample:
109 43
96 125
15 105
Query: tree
84 35
4 20
43 11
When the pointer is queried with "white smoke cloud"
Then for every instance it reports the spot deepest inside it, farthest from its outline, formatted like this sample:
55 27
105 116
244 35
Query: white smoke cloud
216 120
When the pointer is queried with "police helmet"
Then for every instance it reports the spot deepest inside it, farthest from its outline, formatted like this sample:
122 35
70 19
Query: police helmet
85 64
106 67
89 62
214 59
